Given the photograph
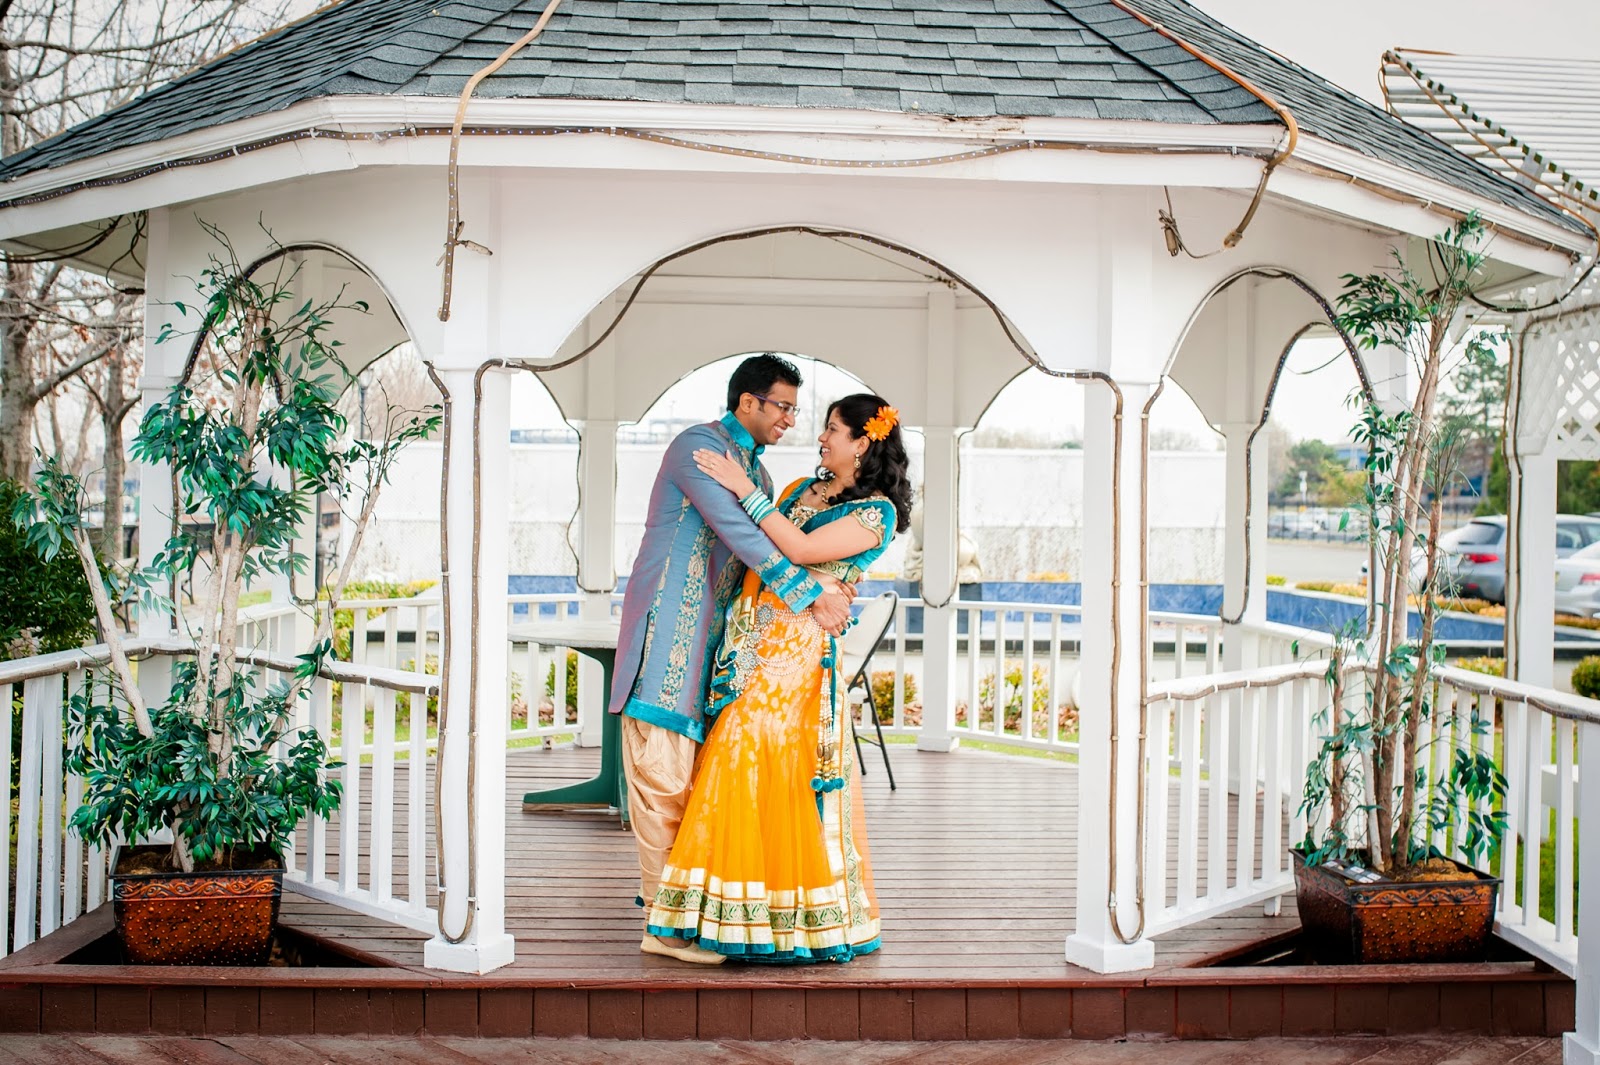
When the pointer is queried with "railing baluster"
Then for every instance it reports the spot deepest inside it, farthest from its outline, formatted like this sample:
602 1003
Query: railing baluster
1249 700
1188 800
316 827
7 692
1425 732
536 668
391 639
997 691
1272 846
1491 712
417 804
1565 874
898 717
974 666
352 726
1298 725
1056 738
1180 651
512 732
381 876
1025 723
1158 774
1586 958
50 840
1217 730
1516 792
28 811
1463 714
71 845
1532 811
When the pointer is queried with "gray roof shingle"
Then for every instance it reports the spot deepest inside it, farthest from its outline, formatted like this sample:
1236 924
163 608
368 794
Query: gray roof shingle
964 58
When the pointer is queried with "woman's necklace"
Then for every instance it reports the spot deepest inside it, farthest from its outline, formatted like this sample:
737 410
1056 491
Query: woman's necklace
824 492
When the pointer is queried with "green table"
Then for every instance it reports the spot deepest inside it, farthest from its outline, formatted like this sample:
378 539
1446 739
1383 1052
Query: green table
609 790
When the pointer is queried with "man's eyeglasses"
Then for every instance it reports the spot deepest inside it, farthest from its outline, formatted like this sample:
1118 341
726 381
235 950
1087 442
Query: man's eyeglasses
788 409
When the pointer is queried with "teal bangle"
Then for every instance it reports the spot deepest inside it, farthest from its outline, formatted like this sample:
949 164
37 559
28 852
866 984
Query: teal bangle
758 506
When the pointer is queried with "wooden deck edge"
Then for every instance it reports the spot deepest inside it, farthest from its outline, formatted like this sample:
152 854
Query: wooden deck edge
40 992
1222 1011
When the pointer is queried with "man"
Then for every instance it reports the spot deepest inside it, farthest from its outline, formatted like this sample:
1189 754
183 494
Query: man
697 544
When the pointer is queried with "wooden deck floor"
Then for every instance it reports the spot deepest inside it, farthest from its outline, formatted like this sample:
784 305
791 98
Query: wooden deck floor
973 855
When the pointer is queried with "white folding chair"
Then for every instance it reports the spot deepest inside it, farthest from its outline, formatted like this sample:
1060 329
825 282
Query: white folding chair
855 662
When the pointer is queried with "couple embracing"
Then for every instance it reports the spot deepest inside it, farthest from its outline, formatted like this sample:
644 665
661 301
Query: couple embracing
743 787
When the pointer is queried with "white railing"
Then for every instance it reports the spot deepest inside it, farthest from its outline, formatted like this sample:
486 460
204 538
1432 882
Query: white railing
405 635
357 710
1223 761
58 877
1011 687
1543 736
1226 755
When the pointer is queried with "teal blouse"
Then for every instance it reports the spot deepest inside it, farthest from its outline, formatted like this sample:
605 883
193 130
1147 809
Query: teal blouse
874 512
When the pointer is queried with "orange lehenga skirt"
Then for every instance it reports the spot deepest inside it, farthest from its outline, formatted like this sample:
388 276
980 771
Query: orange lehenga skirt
771 860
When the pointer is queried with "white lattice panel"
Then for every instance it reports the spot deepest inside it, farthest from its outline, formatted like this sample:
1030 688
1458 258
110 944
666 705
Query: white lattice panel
1560 389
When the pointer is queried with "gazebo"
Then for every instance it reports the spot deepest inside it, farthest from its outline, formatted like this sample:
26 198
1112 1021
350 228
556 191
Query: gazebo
931 195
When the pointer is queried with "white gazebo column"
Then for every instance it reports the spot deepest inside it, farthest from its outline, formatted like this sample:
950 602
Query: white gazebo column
474 715
597 559
1536 394
597 424
1109 689
941 460
470 831
1388 370
155 478
155 527
291 633
1530 559
1244 581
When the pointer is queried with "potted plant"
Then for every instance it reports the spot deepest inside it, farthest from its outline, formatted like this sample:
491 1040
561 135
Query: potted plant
252 435
1373 877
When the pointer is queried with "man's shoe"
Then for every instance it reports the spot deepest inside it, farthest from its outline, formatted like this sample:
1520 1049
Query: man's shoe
688 952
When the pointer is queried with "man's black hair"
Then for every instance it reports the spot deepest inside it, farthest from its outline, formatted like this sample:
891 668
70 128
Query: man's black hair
758 374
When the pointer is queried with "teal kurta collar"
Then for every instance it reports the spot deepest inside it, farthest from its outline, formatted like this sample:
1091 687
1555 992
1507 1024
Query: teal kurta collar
741 435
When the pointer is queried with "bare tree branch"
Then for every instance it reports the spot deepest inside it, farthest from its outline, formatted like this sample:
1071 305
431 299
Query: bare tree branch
61 62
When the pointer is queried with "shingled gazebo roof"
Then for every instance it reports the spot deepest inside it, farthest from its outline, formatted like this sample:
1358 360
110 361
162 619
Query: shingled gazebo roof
966 59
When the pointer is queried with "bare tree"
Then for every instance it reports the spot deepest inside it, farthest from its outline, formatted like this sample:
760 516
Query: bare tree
61 62
395 382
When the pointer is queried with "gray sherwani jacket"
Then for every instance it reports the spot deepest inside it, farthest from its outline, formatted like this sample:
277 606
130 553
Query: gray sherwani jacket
697 544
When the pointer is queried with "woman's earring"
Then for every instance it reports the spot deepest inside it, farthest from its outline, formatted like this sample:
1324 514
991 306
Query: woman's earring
858 462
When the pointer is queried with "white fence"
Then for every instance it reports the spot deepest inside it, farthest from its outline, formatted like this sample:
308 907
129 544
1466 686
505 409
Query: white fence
58 877
1224 755
1010 656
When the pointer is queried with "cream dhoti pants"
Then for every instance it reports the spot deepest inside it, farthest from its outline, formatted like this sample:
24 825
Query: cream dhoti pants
660 767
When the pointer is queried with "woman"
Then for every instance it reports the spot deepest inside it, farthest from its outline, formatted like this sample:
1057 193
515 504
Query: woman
771 859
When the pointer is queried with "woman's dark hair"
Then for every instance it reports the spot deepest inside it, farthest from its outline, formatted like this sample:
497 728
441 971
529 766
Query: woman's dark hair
883 467
757 374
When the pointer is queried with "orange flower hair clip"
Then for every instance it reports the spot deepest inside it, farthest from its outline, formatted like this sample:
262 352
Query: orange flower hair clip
881 424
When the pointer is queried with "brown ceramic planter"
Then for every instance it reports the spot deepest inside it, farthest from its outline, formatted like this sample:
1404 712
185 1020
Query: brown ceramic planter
215 918
1389 922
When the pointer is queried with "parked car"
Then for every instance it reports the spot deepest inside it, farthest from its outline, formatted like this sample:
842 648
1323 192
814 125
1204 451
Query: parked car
1292 525
1472 559
1578 583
